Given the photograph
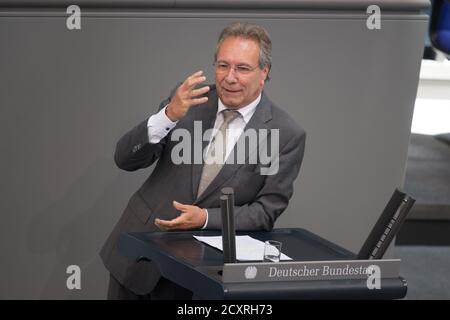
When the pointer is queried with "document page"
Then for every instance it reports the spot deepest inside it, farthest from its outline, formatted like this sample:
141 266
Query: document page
247 248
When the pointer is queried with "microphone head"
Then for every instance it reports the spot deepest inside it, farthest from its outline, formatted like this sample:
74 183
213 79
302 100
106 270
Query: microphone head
227 191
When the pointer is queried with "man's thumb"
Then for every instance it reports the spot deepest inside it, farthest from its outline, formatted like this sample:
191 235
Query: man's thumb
177 205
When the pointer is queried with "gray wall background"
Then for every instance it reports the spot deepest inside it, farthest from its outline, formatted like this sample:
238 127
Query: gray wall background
67 96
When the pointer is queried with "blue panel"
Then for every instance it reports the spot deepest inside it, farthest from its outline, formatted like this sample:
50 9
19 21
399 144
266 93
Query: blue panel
440 26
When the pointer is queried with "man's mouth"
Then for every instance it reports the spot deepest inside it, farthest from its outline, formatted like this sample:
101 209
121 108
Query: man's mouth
231 91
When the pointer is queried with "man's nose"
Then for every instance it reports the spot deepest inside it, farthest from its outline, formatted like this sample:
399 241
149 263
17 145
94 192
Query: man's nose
230 77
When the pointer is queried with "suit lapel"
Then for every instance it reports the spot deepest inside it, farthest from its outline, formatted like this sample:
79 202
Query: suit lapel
262 115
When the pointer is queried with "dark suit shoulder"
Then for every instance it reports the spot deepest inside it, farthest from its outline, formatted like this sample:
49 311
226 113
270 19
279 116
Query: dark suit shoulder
283 120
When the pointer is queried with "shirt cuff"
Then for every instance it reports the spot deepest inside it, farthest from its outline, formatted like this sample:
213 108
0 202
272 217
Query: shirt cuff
206 222
159 125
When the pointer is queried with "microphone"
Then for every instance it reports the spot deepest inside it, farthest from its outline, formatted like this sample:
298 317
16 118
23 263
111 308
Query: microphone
228 228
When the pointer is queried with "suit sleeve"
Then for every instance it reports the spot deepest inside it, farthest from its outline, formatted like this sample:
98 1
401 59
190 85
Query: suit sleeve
274 196
134 150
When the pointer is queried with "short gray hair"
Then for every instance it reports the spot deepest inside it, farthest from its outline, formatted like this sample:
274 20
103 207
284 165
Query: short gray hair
249 31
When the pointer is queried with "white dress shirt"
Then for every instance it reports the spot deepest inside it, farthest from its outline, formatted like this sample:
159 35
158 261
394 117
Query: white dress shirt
159 125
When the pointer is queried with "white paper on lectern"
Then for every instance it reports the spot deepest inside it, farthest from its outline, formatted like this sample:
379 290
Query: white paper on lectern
247 248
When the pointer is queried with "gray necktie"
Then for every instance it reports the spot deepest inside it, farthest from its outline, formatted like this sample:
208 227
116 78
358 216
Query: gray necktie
216 151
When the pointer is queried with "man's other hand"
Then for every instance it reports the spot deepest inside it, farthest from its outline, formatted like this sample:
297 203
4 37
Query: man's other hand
186 96
191 217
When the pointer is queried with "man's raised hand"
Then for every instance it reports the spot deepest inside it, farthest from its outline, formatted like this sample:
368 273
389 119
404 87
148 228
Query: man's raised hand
187 96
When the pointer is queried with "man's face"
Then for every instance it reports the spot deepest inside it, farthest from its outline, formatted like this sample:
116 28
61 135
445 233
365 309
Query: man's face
239 80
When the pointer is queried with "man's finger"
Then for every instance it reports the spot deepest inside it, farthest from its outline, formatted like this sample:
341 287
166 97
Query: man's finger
160 227
170 224
161 224
197 101
186 83
179 206
164 225
195 74
191 83
198 92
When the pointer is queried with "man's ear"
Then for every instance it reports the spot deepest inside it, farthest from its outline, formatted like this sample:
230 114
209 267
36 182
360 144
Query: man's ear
265 71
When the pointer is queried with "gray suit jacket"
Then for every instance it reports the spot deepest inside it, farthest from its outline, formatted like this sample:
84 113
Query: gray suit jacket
259 199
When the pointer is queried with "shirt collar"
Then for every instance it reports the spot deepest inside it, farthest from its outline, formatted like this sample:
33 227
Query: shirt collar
246 112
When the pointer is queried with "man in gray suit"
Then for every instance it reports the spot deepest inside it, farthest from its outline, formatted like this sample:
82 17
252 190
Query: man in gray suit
184 195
